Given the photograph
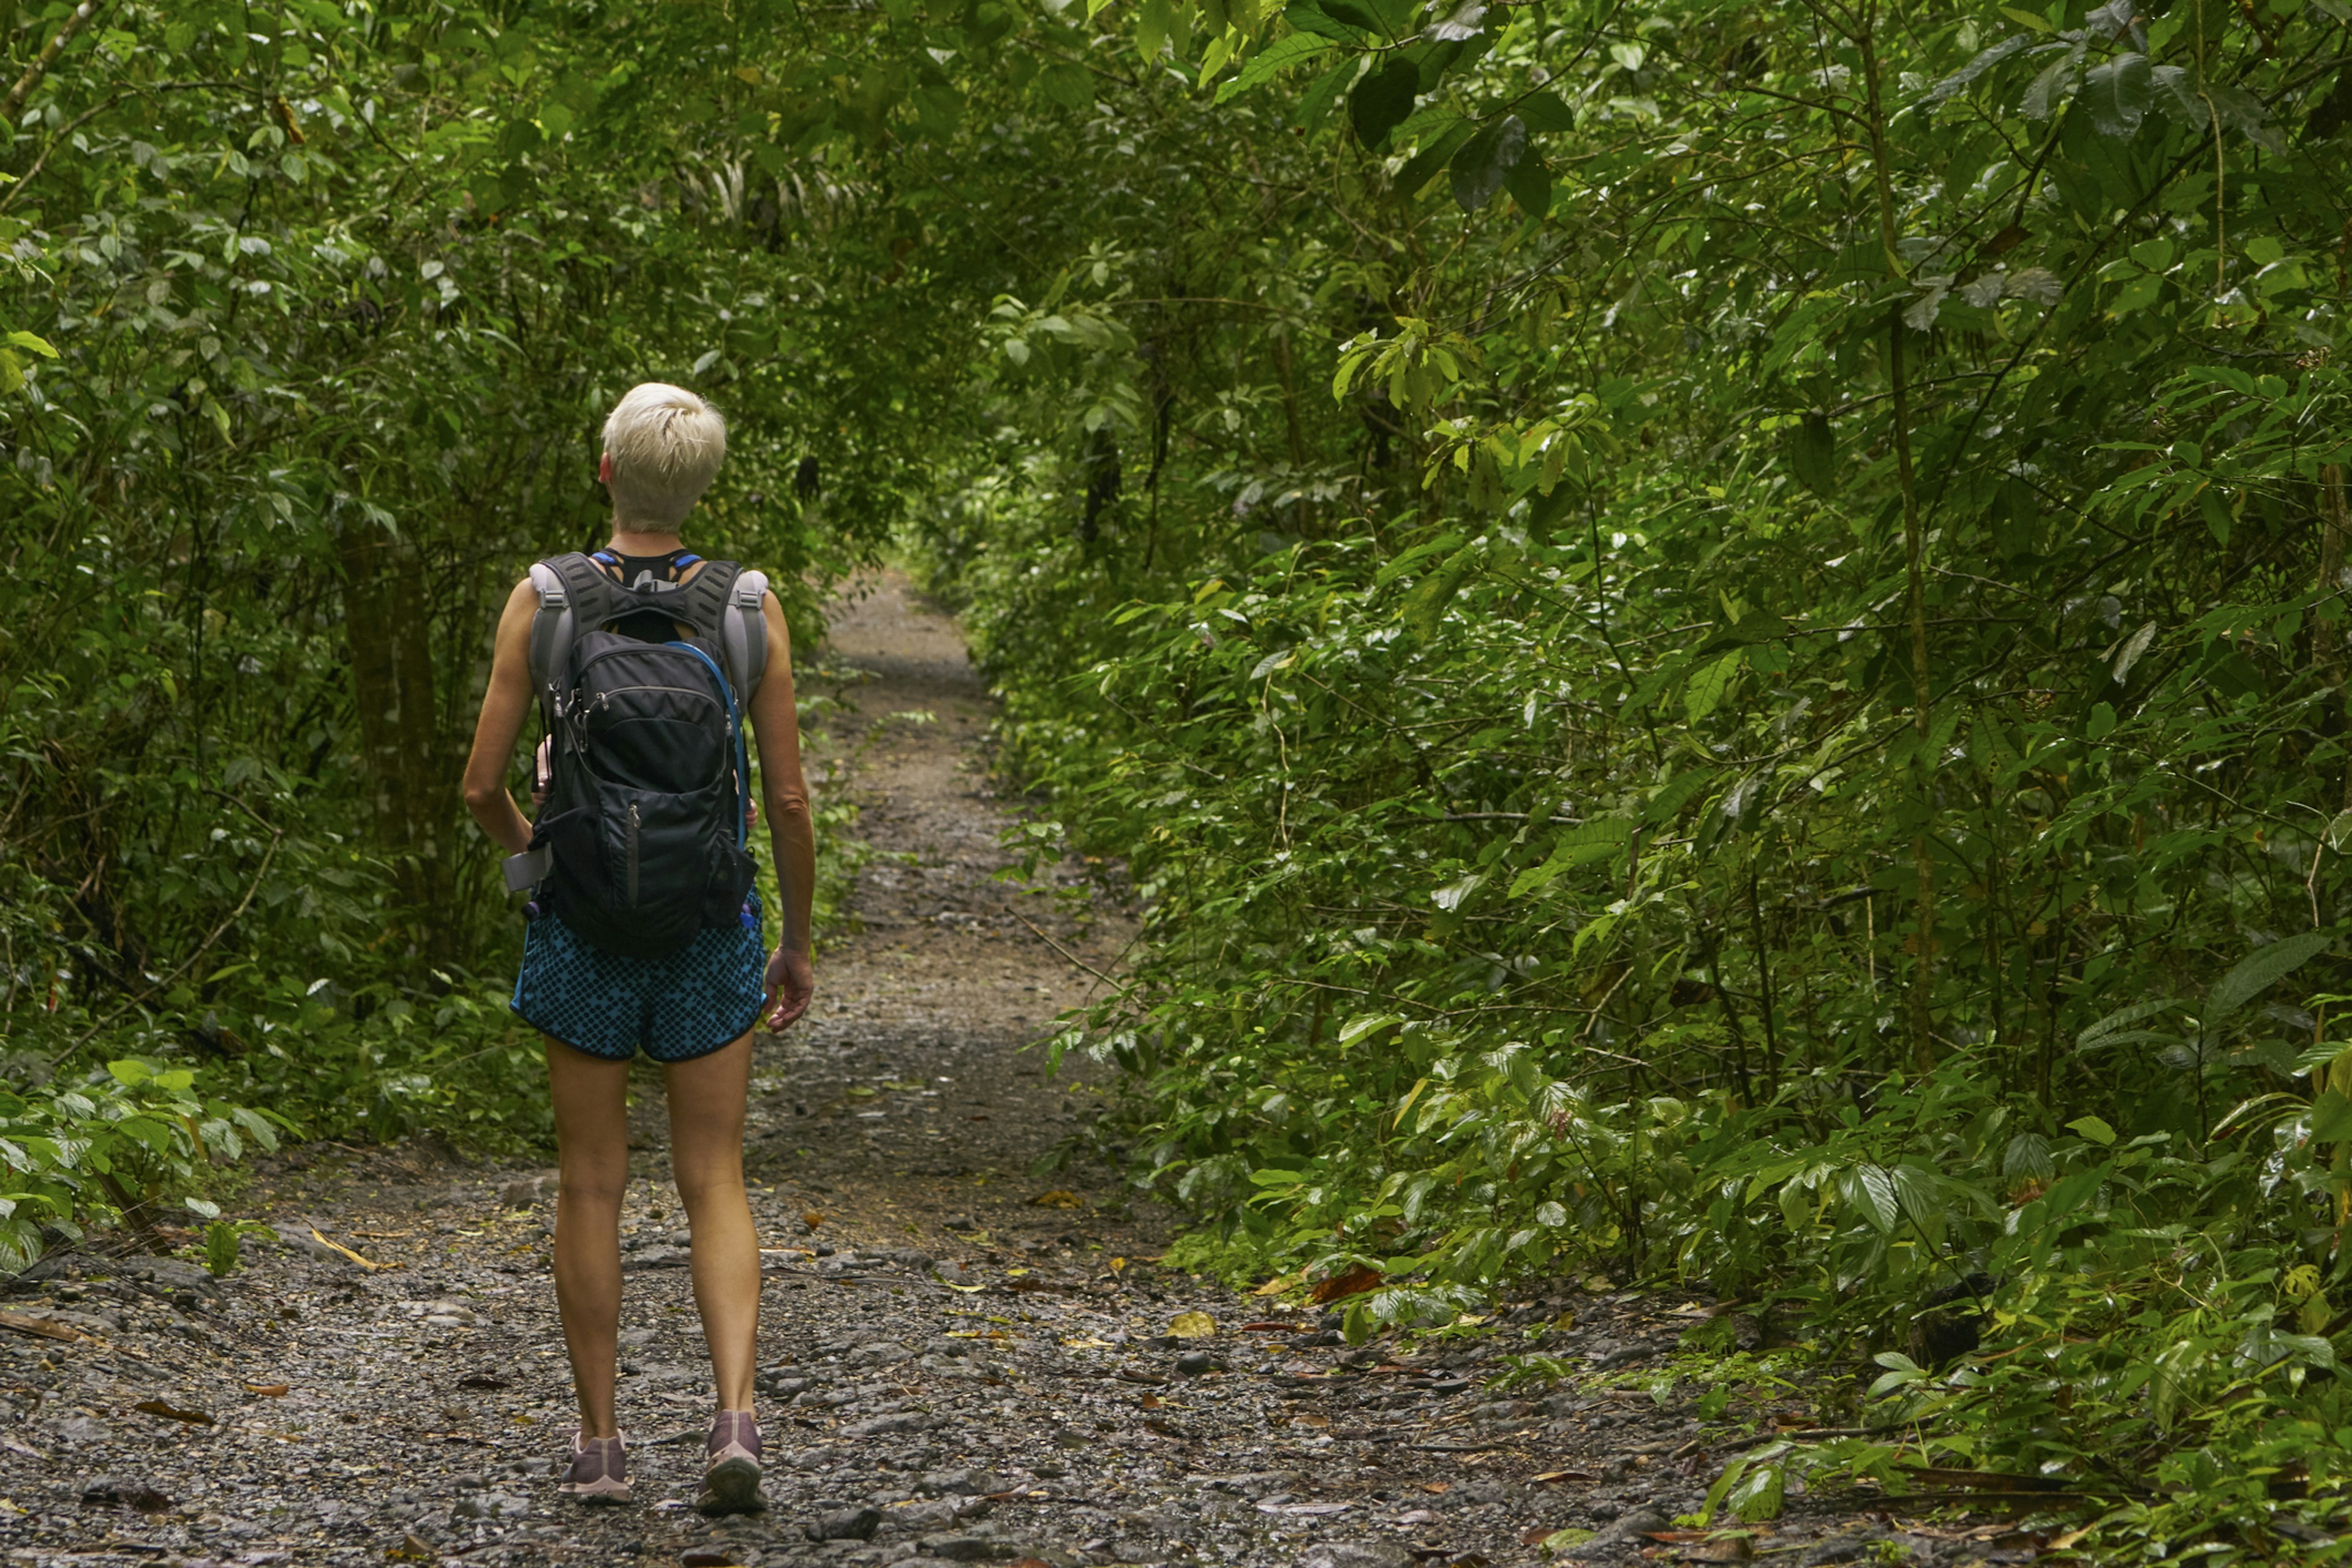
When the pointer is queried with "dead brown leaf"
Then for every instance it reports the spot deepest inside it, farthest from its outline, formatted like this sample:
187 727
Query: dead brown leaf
1550 1476
269 1390
173 1413
25 1323
1359 1279
369 1264
1436 1488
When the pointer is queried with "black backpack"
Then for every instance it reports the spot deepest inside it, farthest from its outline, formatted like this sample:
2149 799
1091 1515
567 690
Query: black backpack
639 844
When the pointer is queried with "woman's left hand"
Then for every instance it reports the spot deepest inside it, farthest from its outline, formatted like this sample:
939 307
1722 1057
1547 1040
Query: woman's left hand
792 982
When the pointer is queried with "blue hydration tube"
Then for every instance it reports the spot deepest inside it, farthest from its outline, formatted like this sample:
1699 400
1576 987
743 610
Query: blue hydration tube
735 728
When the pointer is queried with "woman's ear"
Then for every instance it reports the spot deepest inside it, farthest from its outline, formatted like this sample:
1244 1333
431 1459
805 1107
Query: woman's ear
604 470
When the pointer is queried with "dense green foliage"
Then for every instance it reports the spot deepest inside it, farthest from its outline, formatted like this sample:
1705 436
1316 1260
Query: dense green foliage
317 326
1715 633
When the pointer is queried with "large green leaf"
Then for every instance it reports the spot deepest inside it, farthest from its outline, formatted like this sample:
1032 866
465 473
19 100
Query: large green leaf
1486 161
1382 101
2261 969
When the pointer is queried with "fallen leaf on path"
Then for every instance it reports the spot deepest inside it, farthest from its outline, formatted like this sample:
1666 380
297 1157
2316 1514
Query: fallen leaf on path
1277 1286
1269 1326
24 1323
369 1264
1305 1509
1437 1488
1116 1264
269 1390
1150 1402
1550 1476
1059 1198
811 1219
1192 1326
1314 1421
136 1495
173 1413
413 1549
1359 1279
1555 1540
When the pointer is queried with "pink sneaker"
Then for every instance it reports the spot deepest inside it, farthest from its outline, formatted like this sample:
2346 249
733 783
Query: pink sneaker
730 1483
600 1471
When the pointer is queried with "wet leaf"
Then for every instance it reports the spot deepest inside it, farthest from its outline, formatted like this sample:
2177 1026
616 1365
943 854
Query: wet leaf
1195 1325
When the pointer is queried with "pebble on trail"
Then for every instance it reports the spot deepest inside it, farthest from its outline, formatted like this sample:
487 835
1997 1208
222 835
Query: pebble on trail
957 1375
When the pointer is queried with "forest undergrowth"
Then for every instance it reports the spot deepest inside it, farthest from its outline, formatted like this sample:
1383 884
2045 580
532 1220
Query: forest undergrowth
1713 632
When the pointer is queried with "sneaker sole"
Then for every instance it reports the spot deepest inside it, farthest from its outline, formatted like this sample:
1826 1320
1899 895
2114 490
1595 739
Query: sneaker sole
605 1490
732 1486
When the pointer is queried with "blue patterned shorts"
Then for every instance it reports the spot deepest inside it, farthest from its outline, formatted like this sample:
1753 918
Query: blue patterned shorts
703 997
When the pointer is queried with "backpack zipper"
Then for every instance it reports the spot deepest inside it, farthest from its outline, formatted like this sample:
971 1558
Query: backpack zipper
632 854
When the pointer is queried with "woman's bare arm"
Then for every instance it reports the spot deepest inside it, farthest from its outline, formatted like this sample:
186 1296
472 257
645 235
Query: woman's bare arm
504 707
792 830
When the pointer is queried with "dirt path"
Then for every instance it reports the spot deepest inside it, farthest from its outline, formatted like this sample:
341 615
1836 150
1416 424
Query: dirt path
967 1360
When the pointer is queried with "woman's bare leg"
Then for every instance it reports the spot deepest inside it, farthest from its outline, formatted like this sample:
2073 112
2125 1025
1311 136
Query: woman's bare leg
707 1099
591 1140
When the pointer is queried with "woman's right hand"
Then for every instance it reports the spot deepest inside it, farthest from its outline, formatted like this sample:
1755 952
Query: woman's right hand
792 982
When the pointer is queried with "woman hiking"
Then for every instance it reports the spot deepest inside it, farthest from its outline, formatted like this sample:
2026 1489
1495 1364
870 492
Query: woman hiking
646 931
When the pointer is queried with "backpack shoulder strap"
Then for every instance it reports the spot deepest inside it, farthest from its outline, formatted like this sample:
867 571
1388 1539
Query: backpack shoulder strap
724 602
573 598
743 633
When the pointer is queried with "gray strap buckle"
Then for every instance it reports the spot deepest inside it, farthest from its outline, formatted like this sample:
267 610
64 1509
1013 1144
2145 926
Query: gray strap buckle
528 869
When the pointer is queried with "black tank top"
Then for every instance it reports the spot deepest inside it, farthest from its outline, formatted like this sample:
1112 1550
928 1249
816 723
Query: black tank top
635 570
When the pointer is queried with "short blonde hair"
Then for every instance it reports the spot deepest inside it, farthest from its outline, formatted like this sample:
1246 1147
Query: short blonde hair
666 444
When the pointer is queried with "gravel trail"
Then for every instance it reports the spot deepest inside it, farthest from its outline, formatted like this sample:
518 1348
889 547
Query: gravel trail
968 1354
